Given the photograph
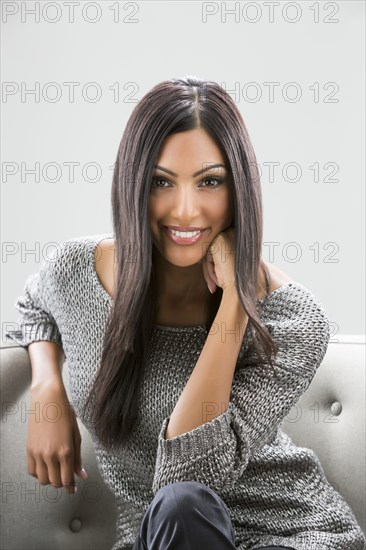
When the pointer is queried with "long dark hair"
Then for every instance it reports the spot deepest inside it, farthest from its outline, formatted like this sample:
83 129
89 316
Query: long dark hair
176 105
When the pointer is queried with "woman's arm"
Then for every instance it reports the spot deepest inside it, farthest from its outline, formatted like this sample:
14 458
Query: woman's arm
54 441
53 445
207 392
46 360
217 452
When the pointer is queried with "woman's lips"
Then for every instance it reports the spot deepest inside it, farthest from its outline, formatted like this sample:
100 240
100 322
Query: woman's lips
183 240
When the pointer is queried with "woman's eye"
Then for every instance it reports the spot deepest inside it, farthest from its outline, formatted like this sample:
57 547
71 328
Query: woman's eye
218 181
155 180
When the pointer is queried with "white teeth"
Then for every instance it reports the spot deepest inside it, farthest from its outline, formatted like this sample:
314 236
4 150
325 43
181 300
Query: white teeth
184 234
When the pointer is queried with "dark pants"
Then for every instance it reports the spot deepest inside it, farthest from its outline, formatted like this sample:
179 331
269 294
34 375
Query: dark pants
187 516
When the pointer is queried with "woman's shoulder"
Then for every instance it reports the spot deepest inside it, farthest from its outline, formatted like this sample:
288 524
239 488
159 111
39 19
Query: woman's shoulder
73 255
104 262
298 323
277 278
286 293
290 303
296 319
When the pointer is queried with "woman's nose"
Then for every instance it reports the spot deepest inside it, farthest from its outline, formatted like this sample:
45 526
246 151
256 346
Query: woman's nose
186 204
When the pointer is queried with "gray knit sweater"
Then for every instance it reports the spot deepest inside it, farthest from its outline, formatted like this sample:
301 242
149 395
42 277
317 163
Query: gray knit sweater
276 492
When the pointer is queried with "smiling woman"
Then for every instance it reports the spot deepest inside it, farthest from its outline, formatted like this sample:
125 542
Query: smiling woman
186 351
187 210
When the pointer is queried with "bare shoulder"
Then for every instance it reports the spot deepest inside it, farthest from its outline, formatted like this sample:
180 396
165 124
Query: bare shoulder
277 278
105 264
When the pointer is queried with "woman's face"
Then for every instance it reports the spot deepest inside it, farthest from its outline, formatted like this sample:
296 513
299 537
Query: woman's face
197 195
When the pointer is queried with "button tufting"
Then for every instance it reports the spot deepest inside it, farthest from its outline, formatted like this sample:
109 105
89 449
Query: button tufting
336 408
75 525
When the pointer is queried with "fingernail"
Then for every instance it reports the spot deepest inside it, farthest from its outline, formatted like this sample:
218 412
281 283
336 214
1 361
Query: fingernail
83 474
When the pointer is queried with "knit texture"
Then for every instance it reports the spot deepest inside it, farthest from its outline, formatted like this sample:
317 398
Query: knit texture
276 492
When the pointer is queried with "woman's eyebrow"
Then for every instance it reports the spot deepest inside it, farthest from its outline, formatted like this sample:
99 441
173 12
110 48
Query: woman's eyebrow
219 165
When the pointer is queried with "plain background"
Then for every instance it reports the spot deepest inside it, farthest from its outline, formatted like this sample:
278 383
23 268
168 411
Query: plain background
313 206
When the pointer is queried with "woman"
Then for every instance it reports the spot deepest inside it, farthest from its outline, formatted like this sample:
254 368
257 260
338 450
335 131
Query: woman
185 349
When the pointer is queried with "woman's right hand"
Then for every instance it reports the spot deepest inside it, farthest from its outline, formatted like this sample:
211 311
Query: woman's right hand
54 440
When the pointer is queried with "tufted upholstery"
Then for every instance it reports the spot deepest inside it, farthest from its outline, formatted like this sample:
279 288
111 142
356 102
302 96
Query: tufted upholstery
329 418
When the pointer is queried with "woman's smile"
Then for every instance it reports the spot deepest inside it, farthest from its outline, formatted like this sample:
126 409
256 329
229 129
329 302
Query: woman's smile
184 237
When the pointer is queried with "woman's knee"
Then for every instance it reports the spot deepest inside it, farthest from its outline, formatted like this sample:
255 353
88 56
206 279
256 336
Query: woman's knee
187 511
184 495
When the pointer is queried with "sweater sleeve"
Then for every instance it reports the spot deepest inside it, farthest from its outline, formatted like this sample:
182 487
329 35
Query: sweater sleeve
35 321
217 452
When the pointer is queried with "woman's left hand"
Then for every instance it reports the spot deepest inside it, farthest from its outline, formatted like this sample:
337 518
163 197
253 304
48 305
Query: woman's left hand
219 262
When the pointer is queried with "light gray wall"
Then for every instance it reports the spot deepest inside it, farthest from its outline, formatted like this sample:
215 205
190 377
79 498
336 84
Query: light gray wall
319 55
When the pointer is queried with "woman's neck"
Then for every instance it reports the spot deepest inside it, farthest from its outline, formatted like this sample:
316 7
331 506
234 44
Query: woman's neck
179 285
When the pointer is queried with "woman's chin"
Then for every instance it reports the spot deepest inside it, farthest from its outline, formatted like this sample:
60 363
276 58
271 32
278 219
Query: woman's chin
181 262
